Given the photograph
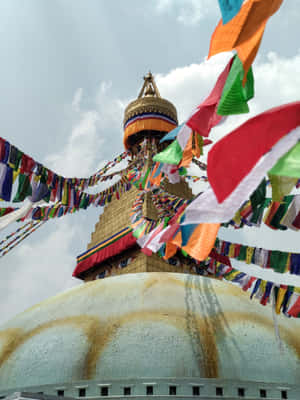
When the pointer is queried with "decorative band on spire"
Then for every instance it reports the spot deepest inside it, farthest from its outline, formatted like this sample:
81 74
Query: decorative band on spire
149 112
108 248
149 115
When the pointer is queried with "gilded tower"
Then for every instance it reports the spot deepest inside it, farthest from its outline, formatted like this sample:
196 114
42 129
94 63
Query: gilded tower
149 118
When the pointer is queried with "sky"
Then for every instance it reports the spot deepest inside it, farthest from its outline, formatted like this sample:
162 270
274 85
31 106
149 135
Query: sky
69 68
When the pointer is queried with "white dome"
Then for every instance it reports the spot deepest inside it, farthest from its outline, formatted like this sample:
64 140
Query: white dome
148 325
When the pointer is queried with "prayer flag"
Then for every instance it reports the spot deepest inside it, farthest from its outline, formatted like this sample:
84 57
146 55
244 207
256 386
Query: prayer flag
206 208
259 135
289 164
281 186
294 306
235 95
201 241
172 134
205 117
244 32
171 155
229 8
24 188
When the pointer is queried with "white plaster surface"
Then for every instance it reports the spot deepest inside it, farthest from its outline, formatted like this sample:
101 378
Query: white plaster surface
148 325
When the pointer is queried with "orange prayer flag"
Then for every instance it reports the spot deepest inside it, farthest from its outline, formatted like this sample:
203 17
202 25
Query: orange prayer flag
154 169
258 14
244 32
197 145
172 246
177 239
202 241
271 212
248 50
171 250
156 181
187 155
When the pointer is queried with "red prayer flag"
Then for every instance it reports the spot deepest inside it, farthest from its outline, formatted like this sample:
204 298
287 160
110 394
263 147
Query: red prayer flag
234 156
206 117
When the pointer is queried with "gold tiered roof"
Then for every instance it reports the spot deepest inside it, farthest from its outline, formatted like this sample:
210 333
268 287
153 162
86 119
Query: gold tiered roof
150 116
149 112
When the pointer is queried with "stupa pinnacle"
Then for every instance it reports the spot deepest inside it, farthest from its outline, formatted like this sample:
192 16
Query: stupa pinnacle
112 246
149 112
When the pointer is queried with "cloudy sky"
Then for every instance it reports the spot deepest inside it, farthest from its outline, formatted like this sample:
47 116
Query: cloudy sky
68 68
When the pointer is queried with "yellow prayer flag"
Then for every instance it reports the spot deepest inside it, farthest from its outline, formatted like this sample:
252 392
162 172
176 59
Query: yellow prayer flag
249 254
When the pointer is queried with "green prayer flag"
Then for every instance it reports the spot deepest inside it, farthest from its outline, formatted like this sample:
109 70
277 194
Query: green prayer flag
47 197
257 215
24 188
182 171
144 179
166 220
137 233
171 155
44 175
86 202
278 260
82 201
18 160
281 186
283 258
289 164
235 96
52 212
243 253
258 196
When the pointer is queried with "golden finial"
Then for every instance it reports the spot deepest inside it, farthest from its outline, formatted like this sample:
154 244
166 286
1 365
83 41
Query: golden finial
149 87
148 103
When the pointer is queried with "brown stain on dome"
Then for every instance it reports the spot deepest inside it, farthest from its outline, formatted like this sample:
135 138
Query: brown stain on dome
174 318
11 339
100 333
291 338
203 325
17 337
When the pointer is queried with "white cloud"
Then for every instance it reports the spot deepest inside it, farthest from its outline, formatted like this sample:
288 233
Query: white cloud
277 80
79 155
39 267
91 131
187 12
188 86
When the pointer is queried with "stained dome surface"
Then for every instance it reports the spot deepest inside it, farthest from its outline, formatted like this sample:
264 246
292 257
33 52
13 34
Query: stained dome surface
148 325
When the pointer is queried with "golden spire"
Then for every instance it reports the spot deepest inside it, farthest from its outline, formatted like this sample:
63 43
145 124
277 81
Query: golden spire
149 112
149 87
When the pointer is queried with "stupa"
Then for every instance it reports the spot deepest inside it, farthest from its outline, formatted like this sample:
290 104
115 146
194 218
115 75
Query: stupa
140 326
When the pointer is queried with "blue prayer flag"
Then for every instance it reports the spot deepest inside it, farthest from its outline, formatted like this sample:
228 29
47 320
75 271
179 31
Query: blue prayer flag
172 134
229 9
186 232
